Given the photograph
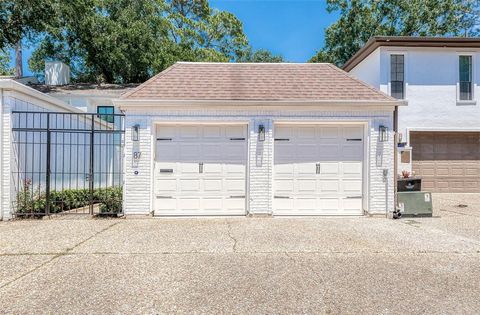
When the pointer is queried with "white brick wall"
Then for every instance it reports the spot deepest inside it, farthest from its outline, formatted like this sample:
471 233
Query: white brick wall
5 175
138 187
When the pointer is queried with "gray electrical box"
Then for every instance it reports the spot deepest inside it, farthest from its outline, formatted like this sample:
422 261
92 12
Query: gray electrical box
415 203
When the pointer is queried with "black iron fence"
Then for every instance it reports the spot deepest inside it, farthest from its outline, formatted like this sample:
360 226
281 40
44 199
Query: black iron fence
67 163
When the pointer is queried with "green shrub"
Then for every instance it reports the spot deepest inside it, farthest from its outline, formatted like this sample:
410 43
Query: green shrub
109 199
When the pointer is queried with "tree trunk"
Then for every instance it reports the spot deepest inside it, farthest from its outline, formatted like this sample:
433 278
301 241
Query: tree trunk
18 60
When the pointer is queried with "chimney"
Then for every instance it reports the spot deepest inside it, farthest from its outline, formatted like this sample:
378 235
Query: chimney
57 73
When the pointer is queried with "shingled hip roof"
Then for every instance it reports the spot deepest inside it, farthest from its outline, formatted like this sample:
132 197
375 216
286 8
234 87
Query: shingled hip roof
255 82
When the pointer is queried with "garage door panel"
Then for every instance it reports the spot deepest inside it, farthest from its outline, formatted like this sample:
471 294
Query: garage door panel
188 132
233 186
283 205
166 131
352 187
236 132
209 170
447 161
327 168
352 204
188 168
284 169
188 204
283 132
472 171
352 131
330 205
329 133
309 151
284 150
211 152
328 151
234 205
166 205
169 151
316 174
233 169
189 185
236 151
285 187
306 169
329 186
306 204
306 186
212 185
212 204
306 133
213 132
352 169
352 151
189 152
166 185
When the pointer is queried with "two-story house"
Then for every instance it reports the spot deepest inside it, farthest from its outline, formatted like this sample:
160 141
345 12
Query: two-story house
439 130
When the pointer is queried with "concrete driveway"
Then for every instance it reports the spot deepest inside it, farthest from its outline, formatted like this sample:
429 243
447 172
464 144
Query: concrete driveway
245 265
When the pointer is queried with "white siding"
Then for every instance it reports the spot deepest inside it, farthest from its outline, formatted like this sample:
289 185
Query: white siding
138 187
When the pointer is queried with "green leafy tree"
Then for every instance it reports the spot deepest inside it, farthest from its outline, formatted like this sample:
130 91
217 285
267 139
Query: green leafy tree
262 55
128 41
23 19
361 19
5 68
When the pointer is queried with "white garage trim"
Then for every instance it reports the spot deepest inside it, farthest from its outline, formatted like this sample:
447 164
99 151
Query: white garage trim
364 159
223 210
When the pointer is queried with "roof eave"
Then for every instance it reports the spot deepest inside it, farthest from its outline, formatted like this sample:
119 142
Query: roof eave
407 41
124 103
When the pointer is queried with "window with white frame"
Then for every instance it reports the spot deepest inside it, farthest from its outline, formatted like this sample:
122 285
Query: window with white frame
397 76
465 78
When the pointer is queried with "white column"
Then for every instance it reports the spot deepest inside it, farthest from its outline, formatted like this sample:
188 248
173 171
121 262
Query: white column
260 168
137 182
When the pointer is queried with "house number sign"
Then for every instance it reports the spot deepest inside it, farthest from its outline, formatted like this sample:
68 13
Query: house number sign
137 155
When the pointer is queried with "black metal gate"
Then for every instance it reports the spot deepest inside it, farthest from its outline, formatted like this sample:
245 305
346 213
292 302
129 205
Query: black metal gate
67 163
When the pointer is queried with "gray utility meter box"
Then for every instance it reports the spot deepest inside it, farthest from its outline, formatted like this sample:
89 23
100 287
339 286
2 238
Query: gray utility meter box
415 203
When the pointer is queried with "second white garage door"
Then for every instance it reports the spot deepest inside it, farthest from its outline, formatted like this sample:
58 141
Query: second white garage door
200 170
318 169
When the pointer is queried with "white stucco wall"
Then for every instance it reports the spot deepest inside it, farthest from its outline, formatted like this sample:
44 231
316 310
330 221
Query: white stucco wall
378 195
431 77
369 69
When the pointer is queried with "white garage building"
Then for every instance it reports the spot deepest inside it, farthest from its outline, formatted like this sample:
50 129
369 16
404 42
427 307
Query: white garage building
248 139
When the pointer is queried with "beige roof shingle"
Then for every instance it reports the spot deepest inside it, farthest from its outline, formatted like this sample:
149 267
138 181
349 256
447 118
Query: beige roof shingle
255 82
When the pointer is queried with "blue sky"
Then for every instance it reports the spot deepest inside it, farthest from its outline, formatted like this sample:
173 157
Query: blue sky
291 28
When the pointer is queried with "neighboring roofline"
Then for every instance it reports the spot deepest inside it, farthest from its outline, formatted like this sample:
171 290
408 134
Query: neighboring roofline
13 85
408 41
124 103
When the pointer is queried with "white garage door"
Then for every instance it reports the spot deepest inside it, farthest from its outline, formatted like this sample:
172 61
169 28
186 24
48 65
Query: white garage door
200 170
318 169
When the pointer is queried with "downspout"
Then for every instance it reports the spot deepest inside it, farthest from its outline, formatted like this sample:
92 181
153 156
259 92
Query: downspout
395 156
1 155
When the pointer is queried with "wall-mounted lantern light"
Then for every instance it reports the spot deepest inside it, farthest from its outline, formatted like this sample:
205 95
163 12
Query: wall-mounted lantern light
383 131
261 133
135 132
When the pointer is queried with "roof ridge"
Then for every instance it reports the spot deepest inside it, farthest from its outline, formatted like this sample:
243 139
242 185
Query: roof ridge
149 81
252 63
348 75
